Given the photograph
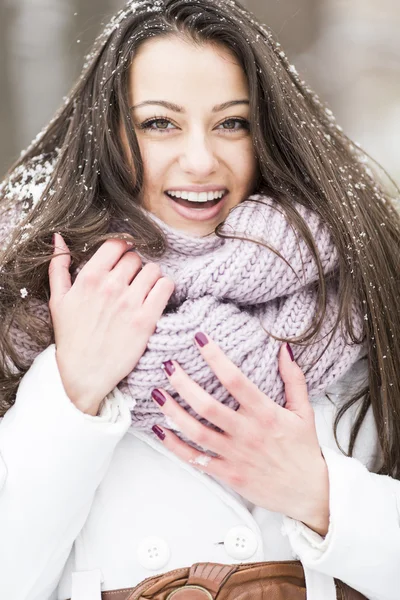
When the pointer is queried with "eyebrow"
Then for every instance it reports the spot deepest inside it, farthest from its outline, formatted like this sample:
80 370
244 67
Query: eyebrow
180 109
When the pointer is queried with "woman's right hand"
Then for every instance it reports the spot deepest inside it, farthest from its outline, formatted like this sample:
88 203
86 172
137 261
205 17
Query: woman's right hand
102 323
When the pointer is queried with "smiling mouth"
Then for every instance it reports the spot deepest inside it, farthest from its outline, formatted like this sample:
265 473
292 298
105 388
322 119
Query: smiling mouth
198 205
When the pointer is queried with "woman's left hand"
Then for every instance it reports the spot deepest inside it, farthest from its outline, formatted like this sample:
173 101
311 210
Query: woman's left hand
268 454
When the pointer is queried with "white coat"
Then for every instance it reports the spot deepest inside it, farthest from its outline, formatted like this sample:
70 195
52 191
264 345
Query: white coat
87 502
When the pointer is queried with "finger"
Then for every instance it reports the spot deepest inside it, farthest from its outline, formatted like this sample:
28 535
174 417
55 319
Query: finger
59 275
295 383
158 296
144 281
238 385
192 429
206 464
202 403
106 257
127 267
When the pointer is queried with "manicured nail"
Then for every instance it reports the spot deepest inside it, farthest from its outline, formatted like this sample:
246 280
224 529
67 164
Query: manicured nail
158 397
159 432
168 366
201 339
290 351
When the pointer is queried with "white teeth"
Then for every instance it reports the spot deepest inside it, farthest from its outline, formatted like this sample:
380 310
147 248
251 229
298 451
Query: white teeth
197 197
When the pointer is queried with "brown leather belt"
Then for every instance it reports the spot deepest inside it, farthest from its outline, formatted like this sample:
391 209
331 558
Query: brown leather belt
283 580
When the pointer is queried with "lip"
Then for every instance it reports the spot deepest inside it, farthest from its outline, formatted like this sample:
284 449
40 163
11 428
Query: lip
198 214
198 188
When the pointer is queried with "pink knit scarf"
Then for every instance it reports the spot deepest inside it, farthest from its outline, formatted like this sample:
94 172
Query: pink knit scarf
239 292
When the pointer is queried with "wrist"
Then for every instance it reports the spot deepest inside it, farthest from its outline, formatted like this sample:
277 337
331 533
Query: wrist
319 523
93 411
80 398
316 514
85 402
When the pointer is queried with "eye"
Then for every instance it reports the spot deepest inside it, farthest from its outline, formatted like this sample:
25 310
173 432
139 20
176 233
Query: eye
156 124
230 124
161 124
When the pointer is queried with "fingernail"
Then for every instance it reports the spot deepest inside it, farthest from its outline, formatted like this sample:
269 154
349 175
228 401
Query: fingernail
159 432
168 366
158 397
201 339
290 351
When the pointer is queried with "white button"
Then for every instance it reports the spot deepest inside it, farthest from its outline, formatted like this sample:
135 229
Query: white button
240 542
153 553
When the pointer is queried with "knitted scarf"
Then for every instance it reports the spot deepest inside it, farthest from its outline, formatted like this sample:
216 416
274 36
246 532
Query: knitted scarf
240 292
243 295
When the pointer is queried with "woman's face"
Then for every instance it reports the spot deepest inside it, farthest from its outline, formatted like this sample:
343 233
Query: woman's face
190 111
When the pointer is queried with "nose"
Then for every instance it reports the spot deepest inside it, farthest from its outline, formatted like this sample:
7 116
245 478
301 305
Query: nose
198 157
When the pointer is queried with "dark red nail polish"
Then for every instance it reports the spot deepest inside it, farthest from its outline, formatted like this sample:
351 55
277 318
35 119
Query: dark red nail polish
169 367
159 432
289 349
201 339
158 397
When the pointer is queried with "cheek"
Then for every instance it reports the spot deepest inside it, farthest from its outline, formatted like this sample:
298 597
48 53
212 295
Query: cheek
155 164
244 164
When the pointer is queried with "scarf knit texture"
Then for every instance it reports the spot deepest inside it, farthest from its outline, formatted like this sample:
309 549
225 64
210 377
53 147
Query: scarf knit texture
239 292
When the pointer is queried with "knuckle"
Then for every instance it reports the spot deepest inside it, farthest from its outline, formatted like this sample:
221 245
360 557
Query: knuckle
201 435
146 320
110 286
125 303
153 270
236 479
88 278
209 411
232 379
255 443
134 258
138 322
269 420
52 304
168 283
165 288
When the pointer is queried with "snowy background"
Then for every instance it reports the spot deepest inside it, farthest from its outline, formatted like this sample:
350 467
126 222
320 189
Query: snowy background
347 50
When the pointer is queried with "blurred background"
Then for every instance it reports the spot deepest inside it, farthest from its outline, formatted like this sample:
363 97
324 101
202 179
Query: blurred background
347 50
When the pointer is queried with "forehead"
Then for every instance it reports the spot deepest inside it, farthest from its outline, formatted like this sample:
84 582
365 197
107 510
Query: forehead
181 70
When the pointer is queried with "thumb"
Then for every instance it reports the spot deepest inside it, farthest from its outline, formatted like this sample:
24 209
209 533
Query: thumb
295 383
59 275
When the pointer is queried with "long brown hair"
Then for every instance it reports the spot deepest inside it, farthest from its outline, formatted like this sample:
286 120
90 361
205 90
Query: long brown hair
78 165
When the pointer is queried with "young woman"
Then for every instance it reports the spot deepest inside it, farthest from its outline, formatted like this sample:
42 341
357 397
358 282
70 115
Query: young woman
199 295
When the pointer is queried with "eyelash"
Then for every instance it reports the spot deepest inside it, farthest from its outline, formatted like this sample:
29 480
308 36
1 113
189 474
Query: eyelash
146 125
